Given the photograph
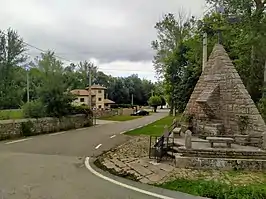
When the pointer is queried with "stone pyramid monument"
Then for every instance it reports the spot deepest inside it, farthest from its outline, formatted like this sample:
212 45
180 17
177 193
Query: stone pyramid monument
221 99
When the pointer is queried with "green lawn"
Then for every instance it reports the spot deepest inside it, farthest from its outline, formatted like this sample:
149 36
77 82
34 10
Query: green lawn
154 129
120 118
11 114
216 189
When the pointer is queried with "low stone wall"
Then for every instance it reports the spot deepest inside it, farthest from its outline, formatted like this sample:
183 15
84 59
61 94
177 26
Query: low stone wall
104 113
27 127
125 111
222 153
220 163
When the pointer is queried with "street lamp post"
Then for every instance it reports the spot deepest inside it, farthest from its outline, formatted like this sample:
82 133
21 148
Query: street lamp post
28 83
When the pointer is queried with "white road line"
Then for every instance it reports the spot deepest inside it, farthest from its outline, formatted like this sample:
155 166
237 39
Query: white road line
87 164
122 132
112 136
17 141
59 133
130 129
140 127
98 146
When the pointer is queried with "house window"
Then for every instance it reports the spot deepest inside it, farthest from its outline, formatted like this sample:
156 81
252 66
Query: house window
100 106
99 91
82 100
99 99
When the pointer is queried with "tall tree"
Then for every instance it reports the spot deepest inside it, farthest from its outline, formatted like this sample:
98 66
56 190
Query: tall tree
244 38
12 55
52 93
171 54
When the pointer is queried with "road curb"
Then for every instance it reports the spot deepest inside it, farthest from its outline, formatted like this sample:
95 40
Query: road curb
89 163
134 185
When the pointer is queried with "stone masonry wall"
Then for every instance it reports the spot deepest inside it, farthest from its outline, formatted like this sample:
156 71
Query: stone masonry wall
233 99
26 127
221 164
104 113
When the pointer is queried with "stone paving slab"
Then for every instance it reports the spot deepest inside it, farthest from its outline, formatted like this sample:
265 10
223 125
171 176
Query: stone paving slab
118 163
140 169
136 163
166 167
155 177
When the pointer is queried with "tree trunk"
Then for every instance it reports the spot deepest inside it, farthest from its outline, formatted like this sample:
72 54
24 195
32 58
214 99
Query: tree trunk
264 82
259 5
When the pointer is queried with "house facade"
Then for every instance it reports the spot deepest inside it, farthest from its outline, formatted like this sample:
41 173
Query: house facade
98 100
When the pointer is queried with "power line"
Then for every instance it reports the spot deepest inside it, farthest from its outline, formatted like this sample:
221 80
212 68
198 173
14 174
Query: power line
107 69
65 59
37 48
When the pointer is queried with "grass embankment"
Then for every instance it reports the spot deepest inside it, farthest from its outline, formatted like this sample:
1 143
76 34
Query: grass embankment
154 129
11 114
120 118
217 190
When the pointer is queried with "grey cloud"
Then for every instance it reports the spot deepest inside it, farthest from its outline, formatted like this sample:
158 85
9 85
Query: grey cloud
77 29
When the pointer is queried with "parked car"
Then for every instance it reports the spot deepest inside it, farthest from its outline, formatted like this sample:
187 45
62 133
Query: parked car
140 113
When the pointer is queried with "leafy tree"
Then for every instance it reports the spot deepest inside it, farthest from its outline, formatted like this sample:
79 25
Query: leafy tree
155 101
12 51
244 26
163 102
53 95
173 57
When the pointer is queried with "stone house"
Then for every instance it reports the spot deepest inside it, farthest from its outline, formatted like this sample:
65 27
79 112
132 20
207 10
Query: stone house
97 97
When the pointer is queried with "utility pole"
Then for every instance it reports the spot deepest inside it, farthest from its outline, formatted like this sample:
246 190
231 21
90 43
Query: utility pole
205 50
132 99
90 103
264 90
27 67
28 87
219 9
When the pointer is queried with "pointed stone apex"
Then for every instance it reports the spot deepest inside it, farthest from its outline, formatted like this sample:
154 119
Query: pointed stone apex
219 51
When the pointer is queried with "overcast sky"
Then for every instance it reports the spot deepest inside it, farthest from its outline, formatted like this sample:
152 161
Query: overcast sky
115 34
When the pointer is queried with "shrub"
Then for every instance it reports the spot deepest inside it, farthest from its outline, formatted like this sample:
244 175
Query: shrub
26 128
34 109
155 101
83 109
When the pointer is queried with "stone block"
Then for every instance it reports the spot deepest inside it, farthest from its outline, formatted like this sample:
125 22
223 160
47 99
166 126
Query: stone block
144 180
118 163
188 139
140 169
154 178
166 167
109 164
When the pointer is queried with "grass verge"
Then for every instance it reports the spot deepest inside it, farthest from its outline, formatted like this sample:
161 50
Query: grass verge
216 190
154 129
11 114
121 118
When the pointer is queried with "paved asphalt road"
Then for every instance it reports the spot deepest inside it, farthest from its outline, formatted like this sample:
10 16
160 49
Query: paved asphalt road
52 166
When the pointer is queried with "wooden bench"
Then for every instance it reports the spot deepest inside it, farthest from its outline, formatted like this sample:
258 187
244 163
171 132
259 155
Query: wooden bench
226 140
